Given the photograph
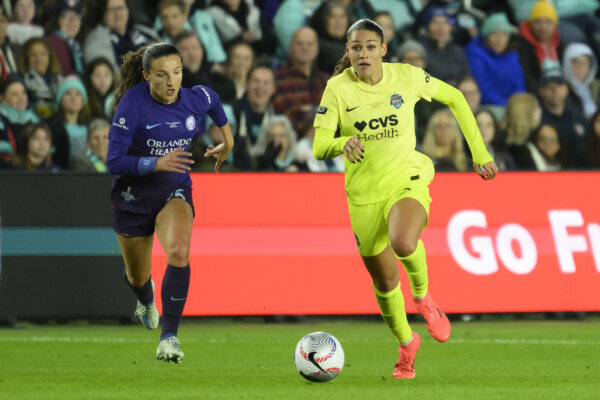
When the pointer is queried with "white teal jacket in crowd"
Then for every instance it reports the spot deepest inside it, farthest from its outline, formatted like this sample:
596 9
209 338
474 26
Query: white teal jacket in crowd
229 28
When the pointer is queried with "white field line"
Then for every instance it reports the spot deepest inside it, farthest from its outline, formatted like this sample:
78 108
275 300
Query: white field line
85 339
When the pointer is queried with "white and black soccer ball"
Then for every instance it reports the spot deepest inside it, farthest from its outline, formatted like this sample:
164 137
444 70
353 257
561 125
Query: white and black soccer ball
319 357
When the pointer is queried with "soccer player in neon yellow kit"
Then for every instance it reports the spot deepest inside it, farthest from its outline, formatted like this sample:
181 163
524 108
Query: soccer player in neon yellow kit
386 179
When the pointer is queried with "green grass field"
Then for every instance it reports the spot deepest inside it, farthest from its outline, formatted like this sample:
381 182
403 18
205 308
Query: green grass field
229 360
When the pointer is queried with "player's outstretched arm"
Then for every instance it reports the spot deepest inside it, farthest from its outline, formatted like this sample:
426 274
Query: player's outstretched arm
482 160
222 150
176 161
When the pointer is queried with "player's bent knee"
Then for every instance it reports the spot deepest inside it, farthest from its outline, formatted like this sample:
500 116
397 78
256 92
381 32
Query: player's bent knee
139 279
404 247
178 252
386 283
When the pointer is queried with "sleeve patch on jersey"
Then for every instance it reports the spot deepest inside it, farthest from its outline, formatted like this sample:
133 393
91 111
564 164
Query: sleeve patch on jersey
321 110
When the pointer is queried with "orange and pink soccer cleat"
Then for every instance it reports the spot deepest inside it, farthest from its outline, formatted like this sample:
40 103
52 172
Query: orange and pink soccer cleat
405 367
435 319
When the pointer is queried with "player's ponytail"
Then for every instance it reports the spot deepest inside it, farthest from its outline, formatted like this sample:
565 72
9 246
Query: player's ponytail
134 62
360 25
341 65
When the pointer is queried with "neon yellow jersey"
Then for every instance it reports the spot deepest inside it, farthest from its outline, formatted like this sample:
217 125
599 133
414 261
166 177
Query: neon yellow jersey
382 116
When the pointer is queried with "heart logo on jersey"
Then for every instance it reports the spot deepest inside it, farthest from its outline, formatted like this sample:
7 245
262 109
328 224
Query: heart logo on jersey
360 125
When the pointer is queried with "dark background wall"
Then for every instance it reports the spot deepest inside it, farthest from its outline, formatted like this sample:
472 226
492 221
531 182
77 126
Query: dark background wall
58 254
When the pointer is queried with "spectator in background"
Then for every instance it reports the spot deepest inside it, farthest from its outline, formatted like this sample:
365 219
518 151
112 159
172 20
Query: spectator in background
569 121
496 69
291 16
195 69
194 19
469 88
237 20
446 60
466 21
547 149
114 33
173 17
591 143
69 122
94 159
15 111
9 55
443 142
42 74
36 146
330 21
494 140
253 112
384 19
22 28
402 12
580 67
307 161
240 60
578 20
538 36
523 115
202 22
100 85
275 147
300 84
413 53
64 38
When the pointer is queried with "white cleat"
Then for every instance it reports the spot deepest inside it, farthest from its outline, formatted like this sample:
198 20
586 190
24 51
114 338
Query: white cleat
148 315
168 350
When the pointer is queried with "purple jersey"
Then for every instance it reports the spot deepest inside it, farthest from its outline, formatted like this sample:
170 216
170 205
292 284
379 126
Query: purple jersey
144 129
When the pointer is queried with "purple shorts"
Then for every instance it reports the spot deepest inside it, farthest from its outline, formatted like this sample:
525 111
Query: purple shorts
134 210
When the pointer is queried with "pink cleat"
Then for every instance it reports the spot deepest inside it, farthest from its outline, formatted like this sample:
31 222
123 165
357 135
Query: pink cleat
405 367
435 319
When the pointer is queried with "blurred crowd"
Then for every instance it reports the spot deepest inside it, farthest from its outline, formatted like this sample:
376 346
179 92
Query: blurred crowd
527 68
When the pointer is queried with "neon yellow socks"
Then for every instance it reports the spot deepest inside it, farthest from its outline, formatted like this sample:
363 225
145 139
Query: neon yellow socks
416 268
391 305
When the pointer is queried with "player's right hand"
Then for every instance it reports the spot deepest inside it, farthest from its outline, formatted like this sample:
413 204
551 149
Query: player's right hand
354 150
176 161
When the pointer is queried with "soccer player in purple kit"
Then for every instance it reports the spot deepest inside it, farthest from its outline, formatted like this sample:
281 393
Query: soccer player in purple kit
154 124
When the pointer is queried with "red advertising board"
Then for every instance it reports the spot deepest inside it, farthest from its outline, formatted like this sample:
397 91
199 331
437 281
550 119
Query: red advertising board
268 244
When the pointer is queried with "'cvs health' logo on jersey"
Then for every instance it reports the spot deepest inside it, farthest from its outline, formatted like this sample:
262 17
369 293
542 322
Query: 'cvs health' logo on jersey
378 123
396 101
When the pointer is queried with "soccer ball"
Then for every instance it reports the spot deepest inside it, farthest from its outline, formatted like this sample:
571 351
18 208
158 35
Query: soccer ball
319 357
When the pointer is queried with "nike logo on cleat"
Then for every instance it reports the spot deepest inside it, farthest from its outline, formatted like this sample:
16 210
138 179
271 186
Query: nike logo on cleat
151 126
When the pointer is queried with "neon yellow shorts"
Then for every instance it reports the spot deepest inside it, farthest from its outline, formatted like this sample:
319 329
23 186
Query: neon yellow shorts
369 221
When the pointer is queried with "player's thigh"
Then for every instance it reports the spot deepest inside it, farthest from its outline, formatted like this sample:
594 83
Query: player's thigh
137 255
383 269
369 227
174 225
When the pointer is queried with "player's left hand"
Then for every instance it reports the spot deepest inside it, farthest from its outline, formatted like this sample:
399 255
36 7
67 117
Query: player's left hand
488 171
220 152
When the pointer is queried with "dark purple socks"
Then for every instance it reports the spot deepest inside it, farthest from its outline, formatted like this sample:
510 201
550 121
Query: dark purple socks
143 293
174 292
